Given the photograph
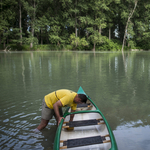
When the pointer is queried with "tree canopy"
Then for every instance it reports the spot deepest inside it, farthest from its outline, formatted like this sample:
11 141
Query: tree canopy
82 24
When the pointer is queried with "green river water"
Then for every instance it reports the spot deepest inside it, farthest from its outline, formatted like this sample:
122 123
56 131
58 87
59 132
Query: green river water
118 84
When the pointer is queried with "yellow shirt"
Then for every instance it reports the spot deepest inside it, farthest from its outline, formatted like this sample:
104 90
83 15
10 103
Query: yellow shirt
65 96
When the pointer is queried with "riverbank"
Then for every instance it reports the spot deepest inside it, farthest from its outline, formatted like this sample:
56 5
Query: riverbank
108 46
50 47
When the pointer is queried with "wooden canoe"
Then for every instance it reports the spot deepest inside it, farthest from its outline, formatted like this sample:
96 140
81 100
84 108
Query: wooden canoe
88 131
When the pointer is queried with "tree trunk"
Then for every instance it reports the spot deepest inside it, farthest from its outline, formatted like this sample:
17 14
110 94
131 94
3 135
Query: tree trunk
32 30
37 37
100 30
76 32
31 44
7 40
79 29
94 47
129 17
20 26
4 44
41 37
1 12
109 33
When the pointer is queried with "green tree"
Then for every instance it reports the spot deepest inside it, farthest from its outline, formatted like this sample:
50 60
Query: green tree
30 7
97 21
78 42
7 18
111 19
55 21
141 25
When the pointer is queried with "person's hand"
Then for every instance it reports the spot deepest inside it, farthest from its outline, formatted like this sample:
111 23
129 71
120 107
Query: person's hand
59 120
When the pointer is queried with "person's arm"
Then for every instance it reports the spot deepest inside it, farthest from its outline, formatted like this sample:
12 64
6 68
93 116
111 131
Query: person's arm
56 110
72 115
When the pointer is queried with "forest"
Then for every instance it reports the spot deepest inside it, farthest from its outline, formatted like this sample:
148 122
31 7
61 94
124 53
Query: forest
95 25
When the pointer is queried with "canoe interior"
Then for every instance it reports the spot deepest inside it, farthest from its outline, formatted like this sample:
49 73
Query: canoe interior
86 131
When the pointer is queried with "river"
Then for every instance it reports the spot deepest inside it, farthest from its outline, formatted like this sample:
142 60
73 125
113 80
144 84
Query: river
118 84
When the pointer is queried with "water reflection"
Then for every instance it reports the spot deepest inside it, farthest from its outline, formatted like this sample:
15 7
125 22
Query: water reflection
133 138
118 83
23 69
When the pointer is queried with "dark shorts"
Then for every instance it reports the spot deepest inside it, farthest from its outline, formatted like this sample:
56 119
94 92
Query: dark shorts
48 113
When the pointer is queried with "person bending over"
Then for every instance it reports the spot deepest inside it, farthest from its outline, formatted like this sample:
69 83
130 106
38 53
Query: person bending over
53 103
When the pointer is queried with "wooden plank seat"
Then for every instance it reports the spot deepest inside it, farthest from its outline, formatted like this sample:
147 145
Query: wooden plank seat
82 123
84 105
84 141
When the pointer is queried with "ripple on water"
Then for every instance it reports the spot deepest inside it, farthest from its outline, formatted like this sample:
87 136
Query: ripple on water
10 131
26 115
16 132
20 139
17 115
12 142
17 121
6 120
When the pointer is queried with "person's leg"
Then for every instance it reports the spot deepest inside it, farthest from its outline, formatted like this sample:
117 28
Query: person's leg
43 124
47 114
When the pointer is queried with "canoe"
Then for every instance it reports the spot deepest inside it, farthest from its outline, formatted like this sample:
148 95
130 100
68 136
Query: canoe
89 129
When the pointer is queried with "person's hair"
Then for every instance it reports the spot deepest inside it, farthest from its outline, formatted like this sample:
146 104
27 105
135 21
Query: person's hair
83 97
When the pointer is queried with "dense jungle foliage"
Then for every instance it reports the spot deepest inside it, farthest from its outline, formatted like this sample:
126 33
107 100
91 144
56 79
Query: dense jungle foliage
74 24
